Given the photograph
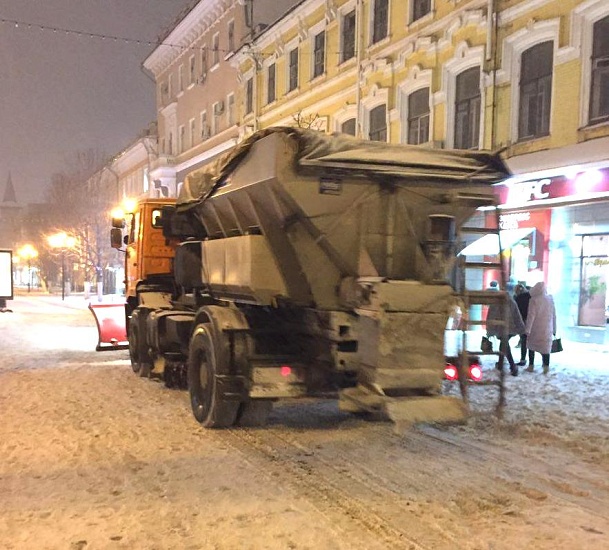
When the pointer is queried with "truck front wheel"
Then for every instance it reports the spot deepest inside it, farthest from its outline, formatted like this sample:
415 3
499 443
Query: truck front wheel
206 360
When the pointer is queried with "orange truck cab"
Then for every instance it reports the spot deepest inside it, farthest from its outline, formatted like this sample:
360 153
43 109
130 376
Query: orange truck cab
148 254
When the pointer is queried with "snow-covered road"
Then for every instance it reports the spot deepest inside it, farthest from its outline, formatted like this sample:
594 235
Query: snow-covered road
93 457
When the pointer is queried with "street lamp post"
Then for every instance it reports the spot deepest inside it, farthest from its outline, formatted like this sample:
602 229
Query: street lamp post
28 253
62 241
63 273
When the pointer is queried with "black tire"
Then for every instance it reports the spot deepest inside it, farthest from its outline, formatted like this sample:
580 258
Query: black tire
136 349
134 345
254 413
205 361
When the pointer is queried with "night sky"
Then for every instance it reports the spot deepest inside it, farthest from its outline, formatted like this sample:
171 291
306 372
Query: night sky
61 93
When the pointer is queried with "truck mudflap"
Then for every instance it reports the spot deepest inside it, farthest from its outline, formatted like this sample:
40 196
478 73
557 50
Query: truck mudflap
111 330
405 411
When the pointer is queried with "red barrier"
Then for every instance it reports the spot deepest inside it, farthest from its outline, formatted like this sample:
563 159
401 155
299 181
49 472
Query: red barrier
110 320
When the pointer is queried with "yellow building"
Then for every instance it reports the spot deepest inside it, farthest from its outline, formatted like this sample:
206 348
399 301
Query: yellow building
530 77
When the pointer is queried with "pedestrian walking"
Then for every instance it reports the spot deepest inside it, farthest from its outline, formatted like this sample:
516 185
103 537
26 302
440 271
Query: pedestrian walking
494 327
522 297
540 326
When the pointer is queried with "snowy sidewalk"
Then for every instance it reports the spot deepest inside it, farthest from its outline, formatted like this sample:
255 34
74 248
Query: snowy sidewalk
577 356
75 300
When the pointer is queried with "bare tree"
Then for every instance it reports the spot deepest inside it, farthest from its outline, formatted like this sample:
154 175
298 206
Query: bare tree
312 121
79 200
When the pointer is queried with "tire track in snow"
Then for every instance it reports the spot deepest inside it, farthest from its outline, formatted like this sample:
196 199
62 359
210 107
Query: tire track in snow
344 489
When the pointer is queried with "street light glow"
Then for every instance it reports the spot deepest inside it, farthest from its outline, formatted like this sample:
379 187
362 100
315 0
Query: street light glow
27 252
61 240
129 205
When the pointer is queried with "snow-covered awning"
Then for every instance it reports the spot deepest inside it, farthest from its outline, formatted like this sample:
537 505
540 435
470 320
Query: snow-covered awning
489 244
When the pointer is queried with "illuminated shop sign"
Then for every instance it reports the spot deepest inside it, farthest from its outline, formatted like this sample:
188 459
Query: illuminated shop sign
576 184
6 274
513 221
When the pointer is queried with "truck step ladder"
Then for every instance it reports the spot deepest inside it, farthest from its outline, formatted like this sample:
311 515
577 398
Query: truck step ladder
470 289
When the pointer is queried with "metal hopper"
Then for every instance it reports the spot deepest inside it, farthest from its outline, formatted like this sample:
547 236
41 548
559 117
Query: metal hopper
362 231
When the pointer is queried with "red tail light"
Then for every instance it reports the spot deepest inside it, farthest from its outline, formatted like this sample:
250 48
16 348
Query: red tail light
475 372
286 370
450 372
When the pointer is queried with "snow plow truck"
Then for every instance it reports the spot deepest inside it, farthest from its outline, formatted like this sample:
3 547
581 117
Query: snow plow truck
304 265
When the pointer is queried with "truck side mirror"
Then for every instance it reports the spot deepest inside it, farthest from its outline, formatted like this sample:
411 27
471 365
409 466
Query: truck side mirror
116 238
118 223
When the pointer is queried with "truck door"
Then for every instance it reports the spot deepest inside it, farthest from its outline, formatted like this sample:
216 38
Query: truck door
131 263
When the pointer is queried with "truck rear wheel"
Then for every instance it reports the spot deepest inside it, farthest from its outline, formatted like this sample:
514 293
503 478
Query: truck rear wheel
206 359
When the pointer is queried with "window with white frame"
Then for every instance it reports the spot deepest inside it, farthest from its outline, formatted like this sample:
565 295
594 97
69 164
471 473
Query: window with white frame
293 70
215 47
348 127
319 54
215 118
467 109
230 109
181 139
191 70
418 117
347 36
271 87
377 126
203 63
535 91
380 20
420 8
231 36
249 95
181 78
192 132
204 125
599 86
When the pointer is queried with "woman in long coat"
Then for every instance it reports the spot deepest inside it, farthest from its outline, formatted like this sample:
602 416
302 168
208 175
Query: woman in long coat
540 325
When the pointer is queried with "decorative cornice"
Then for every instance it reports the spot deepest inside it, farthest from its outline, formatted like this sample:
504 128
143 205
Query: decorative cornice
510 14
196 23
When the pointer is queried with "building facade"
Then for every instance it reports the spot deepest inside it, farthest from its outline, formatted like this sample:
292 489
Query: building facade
197 84
530 77
553 115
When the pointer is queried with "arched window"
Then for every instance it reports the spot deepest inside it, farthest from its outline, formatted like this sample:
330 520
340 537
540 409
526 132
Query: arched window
467 109
599 92
535 91
418 117
378 124
348 127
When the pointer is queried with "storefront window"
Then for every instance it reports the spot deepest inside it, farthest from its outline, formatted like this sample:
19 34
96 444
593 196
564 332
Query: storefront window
594 276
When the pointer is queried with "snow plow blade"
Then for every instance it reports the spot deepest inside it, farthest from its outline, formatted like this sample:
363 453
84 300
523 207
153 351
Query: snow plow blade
405 412
111 330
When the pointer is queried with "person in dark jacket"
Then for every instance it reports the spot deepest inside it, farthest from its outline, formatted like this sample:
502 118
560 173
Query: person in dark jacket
494 327
522 297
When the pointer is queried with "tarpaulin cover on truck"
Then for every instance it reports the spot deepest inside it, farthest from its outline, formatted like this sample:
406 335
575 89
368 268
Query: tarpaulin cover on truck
341 152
